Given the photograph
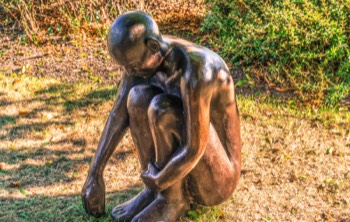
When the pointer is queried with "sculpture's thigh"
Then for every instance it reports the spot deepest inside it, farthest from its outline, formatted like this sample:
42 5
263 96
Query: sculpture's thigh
213 180
139 99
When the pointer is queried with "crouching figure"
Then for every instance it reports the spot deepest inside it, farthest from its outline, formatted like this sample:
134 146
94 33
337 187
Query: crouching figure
178 100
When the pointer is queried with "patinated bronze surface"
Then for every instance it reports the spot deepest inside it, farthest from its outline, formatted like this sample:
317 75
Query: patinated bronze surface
178 101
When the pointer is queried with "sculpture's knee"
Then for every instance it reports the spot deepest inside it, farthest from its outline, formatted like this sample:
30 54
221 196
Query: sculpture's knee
139 98
164 112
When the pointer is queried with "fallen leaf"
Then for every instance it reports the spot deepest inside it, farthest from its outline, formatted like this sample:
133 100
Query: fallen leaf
329 150
221 215
22 113
23 191
275 150
244 188
287 157
15 184
310 152
293 177
293 211
49 163
75 174
199 211
327 217
258 181
16 80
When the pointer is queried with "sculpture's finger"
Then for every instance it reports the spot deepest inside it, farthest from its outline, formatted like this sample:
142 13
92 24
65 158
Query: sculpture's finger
121 211
118 210
122 214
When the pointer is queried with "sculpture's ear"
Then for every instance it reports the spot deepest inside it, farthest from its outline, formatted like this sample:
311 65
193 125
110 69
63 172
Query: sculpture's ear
153 45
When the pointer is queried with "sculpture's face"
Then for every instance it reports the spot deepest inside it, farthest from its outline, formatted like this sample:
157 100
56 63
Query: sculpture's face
141 61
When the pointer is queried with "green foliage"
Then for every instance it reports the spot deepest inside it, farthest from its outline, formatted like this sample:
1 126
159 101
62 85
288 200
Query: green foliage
299 45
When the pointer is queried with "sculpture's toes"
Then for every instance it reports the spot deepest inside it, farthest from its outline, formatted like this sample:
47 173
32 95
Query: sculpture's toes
162 209
127 210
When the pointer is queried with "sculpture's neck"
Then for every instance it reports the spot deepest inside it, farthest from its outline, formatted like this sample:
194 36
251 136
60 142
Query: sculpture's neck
172 62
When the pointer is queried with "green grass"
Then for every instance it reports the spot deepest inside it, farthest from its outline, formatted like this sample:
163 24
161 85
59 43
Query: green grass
57 208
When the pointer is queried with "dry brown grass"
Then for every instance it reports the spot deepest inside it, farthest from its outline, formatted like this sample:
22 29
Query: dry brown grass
49 20
295 162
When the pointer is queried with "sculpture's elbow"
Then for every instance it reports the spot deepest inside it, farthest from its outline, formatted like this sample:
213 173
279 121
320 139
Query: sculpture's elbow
193 155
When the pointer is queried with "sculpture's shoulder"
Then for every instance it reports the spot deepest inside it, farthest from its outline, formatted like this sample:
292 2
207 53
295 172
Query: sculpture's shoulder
194 51
204 64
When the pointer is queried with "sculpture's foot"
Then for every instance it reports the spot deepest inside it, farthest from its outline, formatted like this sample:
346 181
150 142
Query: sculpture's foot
127 210
162 209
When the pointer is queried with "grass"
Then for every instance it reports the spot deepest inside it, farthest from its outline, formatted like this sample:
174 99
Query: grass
295 161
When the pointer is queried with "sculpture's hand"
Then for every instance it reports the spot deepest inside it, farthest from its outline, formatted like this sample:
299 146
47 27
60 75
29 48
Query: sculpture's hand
93 195
149 178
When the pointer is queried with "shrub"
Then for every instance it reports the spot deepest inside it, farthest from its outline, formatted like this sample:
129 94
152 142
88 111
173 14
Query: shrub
299 45
52 19
41 19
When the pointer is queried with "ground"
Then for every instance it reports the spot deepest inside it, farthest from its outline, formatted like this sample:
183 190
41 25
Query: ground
54 101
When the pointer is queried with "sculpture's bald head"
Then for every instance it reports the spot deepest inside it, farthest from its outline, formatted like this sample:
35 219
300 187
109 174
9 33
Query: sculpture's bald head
134 41
132 26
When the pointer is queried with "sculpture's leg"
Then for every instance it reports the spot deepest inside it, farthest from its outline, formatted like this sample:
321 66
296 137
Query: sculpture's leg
166 121
139 99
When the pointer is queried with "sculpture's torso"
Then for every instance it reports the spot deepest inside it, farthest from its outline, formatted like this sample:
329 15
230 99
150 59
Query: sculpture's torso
216 74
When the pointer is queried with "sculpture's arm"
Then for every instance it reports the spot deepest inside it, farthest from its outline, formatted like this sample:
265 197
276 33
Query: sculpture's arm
93 193
196 95
114 130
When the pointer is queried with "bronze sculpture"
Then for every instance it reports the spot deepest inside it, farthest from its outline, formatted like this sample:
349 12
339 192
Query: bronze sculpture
178 100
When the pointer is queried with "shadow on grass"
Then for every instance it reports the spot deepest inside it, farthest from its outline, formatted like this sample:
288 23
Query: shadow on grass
4 120
5 103
54 167
93 98
41 164
64 90
19 131
58 208
52 97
